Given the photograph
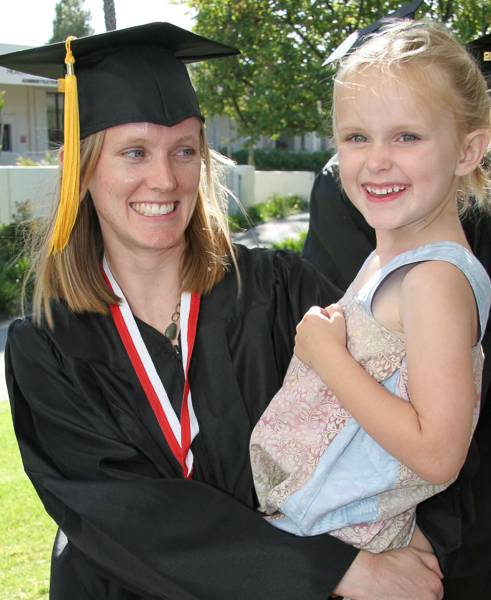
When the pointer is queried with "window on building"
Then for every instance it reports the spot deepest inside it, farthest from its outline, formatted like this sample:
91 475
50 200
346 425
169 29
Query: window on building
6 141
54 102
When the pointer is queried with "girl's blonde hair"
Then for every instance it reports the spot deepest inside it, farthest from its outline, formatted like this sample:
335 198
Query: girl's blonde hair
74 275
428 57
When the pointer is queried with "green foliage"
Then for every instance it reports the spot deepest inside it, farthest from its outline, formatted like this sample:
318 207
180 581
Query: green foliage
295 244
283 160
14 261
26 530
276 207
70 19
277 85
27 161
2 94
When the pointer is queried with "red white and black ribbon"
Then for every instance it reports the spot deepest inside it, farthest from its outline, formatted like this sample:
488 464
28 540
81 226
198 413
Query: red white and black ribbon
179 435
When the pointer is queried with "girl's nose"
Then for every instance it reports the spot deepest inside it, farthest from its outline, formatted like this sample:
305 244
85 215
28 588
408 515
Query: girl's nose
378 158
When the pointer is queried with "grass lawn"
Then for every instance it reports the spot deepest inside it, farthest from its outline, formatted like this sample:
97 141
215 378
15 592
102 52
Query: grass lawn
26 531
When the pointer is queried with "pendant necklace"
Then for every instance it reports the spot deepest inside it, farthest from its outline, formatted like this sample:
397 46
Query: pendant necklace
171 331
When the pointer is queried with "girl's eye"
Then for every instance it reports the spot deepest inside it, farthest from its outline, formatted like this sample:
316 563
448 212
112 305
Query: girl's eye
357 137
408 137
135 153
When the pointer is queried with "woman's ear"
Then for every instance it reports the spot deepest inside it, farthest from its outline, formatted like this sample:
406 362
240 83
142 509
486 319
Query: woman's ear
474 147
61 154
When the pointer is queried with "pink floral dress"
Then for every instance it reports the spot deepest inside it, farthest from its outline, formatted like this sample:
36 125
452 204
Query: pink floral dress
315 469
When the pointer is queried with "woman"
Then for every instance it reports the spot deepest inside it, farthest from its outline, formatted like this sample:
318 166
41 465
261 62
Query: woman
148 507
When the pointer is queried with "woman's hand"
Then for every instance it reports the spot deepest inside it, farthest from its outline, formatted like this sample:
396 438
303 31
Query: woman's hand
320 335
405 574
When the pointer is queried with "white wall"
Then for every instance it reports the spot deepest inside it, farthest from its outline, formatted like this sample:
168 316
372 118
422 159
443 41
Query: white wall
26 112
18 184
284 183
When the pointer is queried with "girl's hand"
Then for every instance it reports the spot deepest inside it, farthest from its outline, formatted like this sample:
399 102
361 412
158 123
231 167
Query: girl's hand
320 334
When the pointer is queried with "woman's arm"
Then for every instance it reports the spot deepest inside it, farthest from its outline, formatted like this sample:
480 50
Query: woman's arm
431 433
131 518
113 489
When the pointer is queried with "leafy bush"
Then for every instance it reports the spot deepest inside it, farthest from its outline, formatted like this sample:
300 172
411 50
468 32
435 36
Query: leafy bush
14 261
283 160
27 161
276 207
294 243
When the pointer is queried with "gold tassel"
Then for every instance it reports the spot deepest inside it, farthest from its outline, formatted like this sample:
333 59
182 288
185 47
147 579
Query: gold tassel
70 184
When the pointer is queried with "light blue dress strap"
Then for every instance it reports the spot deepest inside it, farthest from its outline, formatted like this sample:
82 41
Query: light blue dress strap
450 252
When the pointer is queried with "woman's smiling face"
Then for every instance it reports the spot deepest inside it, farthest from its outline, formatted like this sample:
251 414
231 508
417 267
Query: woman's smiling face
145 184
399 157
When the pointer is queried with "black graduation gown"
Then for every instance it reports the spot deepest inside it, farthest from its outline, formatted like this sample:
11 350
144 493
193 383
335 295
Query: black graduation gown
95 453
338 242
339 239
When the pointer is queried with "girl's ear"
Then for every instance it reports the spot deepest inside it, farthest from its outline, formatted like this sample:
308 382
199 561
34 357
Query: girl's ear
474 147
61 154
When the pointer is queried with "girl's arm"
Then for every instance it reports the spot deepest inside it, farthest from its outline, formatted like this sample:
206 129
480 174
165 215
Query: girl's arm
430 434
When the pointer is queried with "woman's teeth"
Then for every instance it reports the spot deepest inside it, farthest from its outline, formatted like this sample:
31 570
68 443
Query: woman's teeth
152 210
385 190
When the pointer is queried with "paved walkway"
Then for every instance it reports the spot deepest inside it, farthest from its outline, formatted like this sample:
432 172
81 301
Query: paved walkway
262 235
274 231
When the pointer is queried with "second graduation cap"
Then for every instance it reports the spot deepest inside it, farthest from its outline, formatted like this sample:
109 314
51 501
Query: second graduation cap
357 38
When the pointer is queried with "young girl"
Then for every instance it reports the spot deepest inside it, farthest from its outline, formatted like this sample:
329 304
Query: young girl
336 451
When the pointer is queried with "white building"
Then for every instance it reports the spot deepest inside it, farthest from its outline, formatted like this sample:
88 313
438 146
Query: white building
32 121
222 134
31 118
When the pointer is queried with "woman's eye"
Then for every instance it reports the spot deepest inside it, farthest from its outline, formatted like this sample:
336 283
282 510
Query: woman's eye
187 152
135 153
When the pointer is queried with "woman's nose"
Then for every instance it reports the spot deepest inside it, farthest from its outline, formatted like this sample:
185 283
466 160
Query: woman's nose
161 175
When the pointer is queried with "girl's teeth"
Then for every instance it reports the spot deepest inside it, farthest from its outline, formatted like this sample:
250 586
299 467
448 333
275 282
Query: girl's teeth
384 191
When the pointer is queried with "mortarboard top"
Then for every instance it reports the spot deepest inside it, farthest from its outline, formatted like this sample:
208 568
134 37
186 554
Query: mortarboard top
124 76
127 75
357 38
481 49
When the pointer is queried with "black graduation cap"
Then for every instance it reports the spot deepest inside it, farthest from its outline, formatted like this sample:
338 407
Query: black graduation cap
125 76
481 49
358 37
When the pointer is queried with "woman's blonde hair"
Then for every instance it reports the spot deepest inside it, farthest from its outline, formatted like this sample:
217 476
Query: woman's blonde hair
427 57
74 275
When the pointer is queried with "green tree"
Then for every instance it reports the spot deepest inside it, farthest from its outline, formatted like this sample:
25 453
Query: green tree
109 15
70 19
468 19
277 85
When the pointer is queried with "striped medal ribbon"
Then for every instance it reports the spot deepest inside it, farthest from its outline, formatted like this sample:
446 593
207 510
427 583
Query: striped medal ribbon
179 435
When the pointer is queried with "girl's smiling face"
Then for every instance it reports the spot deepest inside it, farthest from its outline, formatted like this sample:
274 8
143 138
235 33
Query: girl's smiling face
400 159
145 184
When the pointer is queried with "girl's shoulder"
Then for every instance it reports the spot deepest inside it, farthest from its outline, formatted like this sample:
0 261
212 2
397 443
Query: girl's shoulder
444 251
435 264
